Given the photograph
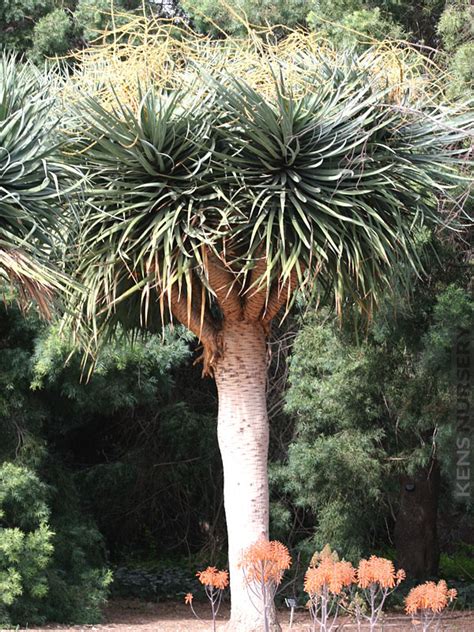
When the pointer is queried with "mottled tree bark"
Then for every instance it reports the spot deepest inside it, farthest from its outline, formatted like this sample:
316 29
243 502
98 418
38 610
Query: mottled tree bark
243 433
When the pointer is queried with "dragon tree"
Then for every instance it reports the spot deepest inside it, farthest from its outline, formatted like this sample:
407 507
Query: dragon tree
214 205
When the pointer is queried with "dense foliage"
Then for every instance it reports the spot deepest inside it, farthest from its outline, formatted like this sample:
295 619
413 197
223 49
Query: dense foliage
74 451
373 410
52 556
49 28
46 28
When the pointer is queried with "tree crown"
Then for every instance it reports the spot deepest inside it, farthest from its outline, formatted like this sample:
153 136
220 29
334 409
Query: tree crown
216 199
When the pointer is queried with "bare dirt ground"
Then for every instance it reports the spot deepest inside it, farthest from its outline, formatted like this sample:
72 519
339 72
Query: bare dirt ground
121 616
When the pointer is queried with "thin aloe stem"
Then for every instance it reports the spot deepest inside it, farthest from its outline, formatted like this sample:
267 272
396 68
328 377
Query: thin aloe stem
213 610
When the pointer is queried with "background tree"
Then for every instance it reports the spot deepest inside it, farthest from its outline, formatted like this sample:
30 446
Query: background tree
456 31
220 18
348 23
17 20
145 476
49 28
378 411
52 36
52 559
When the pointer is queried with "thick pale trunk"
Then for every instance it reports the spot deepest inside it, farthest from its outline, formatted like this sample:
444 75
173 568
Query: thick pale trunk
240 375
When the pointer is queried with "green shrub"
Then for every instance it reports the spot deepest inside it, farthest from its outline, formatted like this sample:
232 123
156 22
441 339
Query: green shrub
353 26
25 540
459 566
78 579
92 16
456 24
462 68
51 562
215 18
51 35
17 19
